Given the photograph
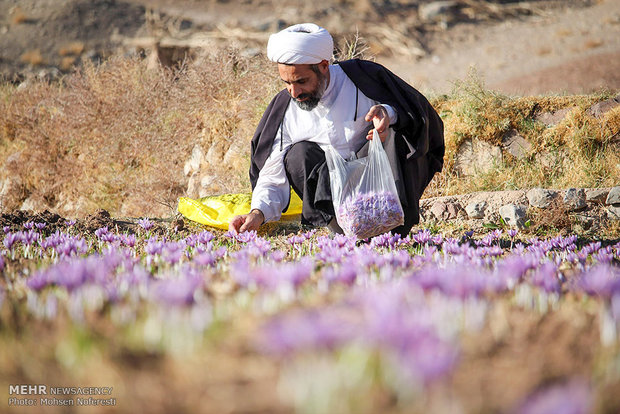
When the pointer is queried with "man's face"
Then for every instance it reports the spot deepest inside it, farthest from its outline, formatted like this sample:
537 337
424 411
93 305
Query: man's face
305 86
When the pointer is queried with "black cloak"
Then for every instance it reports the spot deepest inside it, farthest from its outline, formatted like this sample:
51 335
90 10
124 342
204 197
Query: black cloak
415 154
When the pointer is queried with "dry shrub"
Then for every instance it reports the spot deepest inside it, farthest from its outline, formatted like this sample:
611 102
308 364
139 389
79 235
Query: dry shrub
116 136
580 151
72 49
32 57
18 16
553 218
67 62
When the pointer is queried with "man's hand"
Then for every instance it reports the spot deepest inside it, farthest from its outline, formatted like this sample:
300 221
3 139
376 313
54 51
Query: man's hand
381 120
247 222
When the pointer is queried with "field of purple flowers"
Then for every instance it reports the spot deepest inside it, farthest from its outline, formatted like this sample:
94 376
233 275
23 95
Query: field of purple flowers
312 322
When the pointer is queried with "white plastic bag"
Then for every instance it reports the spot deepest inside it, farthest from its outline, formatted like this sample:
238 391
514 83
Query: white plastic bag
364 192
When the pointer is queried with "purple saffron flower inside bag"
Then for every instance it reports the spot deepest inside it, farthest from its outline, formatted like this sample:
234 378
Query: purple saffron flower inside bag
364 193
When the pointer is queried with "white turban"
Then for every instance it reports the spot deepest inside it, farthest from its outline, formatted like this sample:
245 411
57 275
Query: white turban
300 44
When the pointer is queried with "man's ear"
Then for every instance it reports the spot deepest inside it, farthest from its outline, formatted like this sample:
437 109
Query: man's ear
323 66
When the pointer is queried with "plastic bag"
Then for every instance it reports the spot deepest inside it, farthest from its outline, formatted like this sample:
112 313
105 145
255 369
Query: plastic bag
217 211
364 192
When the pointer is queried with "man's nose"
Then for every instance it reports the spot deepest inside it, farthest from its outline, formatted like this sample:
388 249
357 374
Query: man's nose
294 91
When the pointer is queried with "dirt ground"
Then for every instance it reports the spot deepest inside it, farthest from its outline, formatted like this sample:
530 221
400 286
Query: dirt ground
533 47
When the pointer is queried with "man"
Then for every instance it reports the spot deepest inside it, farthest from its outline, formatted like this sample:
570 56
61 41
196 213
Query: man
337 105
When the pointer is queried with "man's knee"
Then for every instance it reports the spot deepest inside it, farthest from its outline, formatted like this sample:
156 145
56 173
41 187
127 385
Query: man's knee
303 155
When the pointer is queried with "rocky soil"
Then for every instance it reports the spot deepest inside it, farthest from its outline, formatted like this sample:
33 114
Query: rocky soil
518 47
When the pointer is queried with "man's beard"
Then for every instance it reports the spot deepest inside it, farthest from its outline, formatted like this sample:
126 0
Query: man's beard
314 97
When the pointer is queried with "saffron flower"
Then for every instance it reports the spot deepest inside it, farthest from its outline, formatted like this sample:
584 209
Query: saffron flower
369 214
145 223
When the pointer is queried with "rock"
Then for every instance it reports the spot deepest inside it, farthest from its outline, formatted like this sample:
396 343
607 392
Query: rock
614 196
601 108
515 144
438 209
547 160
513 215
540 197
575 199
193 164
477 157
193 185
453 210
205 185
613 212
214 155
552 118
436 10
596 195
251 52
29 204
476 210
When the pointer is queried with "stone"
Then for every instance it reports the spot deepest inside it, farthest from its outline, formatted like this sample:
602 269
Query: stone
206 182
552 118
596 195
476 210
515 144
31 204
513 215
613 212
476 156
601 108
575 199
438 209
214 155
540 197
436 10
614 196
193 185
193 164
453 210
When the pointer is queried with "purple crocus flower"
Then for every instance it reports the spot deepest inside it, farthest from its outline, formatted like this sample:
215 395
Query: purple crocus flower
10 239
1 263
29 237
153 247
172 255
145 223
345 275
70 223
177 291
512 233
6 229
205 259
29 225
297 331
128 240
601 280
40 226
246 236
546 278
295 240
101 231
422 237
205 237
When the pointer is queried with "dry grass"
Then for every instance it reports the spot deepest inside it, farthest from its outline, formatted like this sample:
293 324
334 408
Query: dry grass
33 57
579 151
72 49
116 136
